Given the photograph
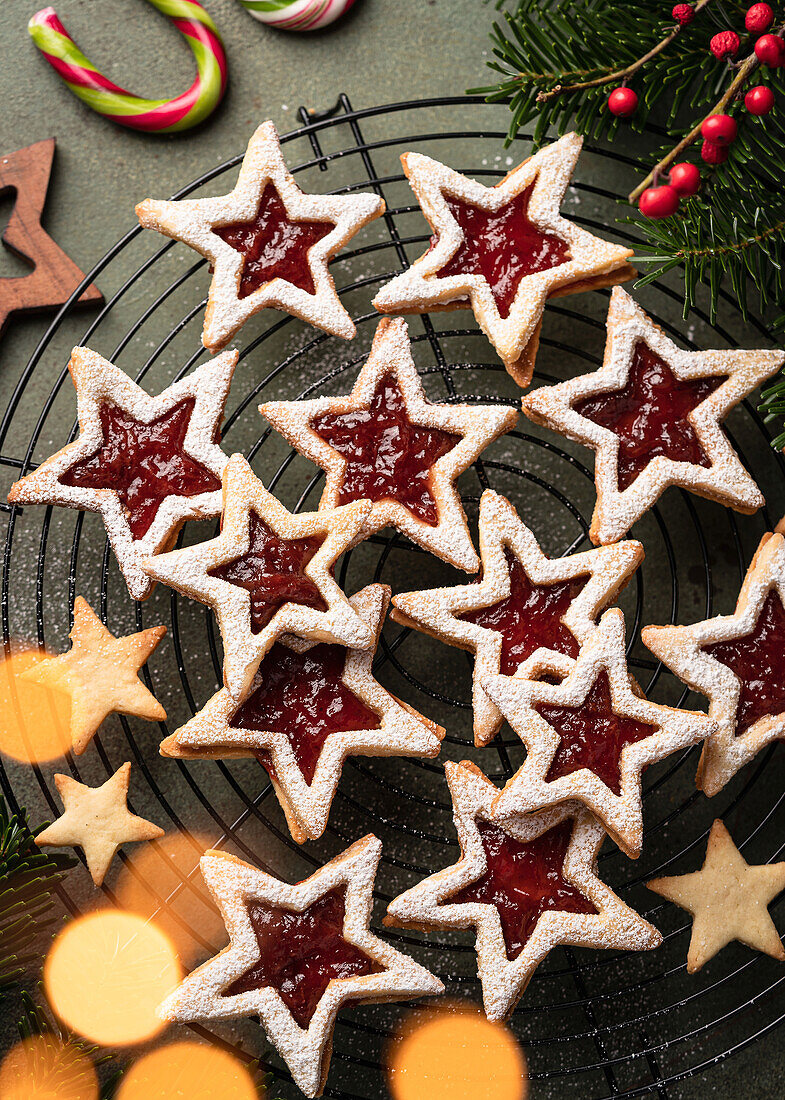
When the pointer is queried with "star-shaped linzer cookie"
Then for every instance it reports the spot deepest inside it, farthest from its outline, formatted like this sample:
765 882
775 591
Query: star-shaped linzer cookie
523 601
385 441
101 674
590 736
728 899
652 414
304 714
502 251
526 885
268 243
296 955
269 572
97 820
738 661
145 464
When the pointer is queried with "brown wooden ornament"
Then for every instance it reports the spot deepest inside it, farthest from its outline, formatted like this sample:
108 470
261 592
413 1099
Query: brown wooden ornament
54 276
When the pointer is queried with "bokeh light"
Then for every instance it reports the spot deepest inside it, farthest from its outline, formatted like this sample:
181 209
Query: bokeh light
162 881
35 721
454 1053
188 1070
107 972
44 1068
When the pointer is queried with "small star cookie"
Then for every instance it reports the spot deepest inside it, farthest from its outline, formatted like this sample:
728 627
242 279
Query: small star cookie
268 243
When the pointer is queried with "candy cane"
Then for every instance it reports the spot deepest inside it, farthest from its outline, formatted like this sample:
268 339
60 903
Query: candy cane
156 115
297 15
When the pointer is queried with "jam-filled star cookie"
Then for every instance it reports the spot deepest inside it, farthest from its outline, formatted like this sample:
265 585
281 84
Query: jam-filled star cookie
269 572
590 736
526 885
145 464
296 955
738 661
268 243
502 251
386 442
523 601
305 712
652 415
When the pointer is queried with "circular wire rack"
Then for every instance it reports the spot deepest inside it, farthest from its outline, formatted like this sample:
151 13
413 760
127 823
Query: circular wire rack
593 1024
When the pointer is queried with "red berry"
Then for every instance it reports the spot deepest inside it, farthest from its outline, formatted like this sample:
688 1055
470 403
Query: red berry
725 44
770 50
713 153
759 18
685 178
659 202
759 100
622 102
720 129
683 14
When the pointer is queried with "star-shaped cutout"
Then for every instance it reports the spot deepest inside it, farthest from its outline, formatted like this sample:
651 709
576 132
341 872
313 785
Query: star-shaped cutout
269 572
503 251
590 736
97 820
652 414
268 243
297 989
525 885
386 442
304 714
728 899
523 601
55 276
100 673
145 464
738 661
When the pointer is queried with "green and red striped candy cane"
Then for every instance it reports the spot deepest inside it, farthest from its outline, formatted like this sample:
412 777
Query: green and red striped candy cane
161 116
297 15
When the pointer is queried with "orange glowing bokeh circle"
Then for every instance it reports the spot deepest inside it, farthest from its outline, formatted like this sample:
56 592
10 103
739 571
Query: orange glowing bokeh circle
189 1070
107 972
44 1068
35 722
454 1053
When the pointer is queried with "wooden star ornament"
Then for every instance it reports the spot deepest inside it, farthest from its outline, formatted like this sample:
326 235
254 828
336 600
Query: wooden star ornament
268 243
97 820
523 601
100 673
728 899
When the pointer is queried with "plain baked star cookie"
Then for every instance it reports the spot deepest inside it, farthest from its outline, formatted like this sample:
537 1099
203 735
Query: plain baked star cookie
652 415
525 885
590 736
145 464
267 241
296 955
728 899
385 441
502 251
304 714
738 661
522 601
269 572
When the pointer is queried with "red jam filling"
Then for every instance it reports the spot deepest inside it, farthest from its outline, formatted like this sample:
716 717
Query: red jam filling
302 695
758 662
274 247
503 246
387 457
529 617
273 571
592 735
524 880
143 463
649 415
301 953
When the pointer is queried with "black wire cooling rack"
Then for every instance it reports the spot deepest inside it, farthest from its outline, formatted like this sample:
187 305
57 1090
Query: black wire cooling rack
593 1024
